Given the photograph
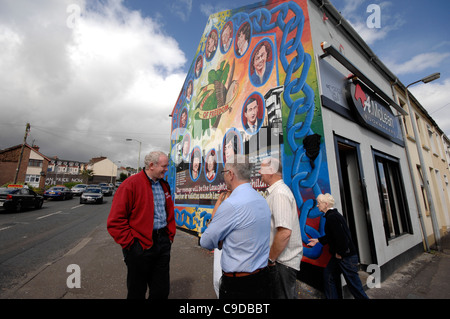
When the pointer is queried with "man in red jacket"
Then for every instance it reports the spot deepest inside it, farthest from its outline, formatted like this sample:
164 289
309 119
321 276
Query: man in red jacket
142 221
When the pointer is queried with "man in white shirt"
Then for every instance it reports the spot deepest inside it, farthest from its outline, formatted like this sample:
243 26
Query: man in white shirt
286 248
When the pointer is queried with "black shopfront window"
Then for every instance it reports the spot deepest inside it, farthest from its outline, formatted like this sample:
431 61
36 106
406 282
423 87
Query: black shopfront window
392 196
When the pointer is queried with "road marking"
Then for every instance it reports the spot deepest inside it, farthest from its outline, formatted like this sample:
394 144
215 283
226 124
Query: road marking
77 206
4 228
59 212
78 247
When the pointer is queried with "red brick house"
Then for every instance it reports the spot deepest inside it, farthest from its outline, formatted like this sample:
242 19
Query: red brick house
33 166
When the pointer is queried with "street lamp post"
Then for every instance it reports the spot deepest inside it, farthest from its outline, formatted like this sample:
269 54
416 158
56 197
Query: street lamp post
423 166
112 170
139 157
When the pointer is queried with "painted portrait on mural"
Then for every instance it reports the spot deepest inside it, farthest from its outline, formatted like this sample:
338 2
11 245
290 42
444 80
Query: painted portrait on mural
195 163
198 66
253 114
243 39
232 145
183 119
189 90
226 38
211 165
252 90
211 44
261 63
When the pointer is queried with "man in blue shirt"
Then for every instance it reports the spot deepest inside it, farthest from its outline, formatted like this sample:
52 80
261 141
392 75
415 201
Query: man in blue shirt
241 227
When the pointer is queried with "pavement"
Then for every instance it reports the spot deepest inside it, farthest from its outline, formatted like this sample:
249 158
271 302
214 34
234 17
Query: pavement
425 277
102 274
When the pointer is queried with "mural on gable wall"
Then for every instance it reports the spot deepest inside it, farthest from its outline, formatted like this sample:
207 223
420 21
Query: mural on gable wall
252 89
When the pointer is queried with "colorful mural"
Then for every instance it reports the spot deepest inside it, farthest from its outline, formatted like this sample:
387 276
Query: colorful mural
252 89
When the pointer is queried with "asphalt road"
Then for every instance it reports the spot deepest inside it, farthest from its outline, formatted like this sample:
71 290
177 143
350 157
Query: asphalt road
31 239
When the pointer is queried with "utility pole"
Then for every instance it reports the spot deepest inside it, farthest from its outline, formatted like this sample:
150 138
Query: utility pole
27 129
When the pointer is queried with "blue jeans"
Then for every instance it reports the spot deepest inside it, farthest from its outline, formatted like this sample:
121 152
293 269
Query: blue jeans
348 267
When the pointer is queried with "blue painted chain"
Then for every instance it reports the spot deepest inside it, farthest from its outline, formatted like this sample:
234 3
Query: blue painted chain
302 175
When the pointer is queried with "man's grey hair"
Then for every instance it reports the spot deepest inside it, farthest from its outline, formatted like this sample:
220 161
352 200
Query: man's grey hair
274 164
153 157
241 167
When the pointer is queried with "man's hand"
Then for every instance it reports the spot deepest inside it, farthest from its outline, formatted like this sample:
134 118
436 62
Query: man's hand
313 242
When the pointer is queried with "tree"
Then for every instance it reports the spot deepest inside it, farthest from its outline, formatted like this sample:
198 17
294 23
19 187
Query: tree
88 173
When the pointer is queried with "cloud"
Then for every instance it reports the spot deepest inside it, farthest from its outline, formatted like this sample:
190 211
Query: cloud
370 36
182 8
207 8
435 97
86 80
362 18
441 44
350 7
417 63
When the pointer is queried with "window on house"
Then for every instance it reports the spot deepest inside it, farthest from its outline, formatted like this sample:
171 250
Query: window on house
62 169
392 196
440 146
32 178
422 190
73 170
447 153
405 123
418 124
430 136
35 163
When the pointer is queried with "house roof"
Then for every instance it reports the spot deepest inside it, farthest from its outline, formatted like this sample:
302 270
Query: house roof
97 159
9 149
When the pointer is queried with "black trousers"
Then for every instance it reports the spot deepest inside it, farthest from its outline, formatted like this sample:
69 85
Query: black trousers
284 281
149 268
255 286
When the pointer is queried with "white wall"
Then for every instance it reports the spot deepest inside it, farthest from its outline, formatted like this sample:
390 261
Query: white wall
333 122
105 168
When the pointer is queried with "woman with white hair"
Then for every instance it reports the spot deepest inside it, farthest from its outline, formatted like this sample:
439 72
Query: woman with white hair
344 258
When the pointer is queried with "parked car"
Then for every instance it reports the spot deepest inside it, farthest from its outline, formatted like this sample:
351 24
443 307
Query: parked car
92 195
16 199
58 192
107 191
78 189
